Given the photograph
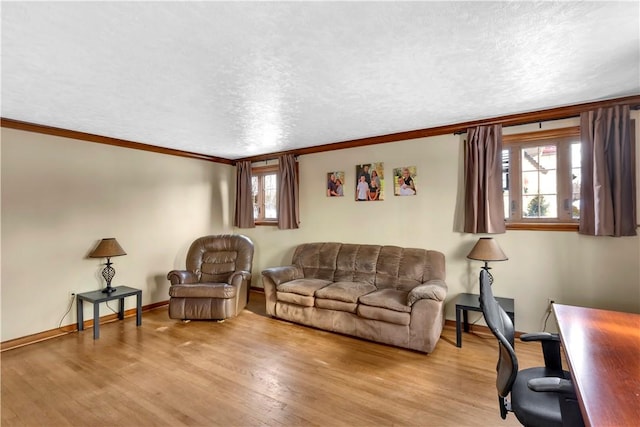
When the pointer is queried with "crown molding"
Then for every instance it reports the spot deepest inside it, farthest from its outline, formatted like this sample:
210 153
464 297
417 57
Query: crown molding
507 120
82 136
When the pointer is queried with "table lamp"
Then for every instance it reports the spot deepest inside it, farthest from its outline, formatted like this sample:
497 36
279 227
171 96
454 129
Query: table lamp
108 248
487 249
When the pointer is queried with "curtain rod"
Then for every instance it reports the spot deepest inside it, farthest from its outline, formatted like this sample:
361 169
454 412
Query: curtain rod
460 132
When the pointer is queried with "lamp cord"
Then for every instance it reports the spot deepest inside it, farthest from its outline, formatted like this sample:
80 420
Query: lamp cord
544 326
73 297
107 304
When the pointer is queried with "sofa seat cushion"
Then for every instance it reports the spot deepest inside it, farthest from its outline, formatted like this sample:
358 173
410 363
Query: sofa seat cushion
296 299
345 291
306 287
203 290
390 299
384 314
331 304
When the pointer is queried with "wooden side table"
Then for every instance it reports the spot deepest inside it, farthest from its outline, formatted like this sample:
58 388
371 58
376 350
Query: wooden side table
471 302
96 297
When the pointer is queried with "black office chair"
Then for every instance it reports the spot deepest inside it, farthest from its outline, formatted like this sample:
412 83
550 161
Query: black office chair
541 396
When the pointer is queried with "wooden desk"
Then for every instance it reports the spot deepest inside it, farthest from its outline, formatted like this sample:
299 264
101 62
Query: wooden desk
603 352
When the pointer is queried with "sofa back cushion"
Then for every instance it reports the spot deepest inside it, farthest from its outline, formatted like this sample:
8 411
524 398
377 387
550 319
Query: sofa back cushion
383 266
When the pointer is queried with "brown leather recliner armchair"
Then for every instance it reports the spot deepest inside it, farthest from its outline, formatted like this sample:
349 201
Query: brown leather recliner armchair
216 283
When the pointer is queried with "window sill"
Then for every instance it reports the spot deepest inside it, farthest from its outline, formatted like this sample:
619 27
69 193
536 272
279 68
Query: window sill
543 226
266 223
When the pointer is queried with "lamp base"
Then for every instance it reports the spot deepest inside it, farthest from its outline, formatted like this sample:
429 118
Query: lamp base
487 268
108 274
108 290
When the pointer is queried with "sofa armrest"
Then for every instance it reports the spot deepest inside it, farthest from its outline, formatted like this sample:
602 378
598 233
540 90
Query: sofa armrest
271 278
434 289
179 277
283 274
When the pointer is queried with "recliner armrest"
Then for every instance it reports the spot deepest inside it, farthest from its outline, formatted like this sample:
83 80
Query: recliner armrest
551 384
241 275
180 277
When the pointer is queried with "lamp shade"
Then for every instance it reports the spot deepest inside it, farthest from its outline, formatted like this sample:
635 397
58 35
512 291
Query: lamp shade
487 249
107 248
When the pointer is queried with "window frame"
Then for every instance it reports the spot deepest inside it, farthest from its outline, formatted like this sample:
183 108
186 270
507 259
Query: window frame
260 172
562 138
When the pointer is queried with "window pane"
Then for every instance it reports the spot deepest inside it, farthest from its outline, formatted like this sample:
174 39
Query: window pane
539 182
576 179
505 182
270 192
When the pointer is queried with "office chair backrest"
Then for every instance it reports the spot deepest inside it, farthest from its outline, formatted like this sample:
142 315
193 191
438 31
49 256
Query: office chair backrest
502 328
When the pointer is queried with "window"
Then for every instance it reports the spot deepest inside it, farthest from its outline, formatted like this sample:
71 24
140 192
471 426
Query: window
541 179
264 188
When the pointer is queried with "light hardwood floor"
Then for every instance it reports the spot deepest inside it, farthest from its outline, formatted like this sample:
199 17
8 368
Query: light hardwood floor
249 371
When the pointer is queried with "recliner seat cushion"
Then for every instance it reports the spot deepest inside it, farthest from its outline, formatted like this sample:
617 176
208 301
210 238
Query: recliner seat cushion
345 291
391 299
306 287
203 290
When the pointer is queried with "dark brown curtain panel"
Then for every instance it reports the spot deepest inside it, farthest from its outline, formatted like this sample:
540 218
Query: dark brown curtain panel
288 211
483 202
607 192
244 200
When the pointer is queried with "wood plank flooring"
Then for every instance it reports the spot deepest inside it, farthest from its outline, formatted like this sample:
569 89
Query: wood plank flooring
249 371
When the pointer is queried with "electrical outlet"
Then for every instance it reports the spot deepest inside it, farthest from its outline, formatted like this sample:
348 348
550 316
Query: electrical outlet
72 294
550 300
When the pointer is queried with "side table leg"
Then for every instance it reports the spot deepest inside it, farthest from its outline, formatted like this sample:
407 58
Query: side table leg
139 309
466 320
458 328
121 308
79 314
96 321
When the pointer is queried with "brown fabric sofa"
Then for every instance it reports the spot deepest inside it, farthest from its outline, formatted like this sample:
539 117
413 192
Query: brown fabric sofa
387 294
216 283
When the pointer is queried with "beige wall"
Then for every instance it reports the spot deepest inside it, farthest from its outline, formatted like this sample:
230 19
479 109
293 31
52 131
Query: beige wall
61 196
573 269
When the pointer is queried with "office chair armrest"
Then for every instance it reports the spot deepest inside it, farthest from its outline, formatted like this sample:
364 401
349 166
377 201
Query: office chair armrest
539 336
550 348
551 384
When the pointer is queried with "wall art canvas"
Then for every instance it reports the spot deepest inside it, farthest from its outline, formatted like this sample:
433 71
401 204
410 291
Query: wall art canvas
404 181
370 182
335 184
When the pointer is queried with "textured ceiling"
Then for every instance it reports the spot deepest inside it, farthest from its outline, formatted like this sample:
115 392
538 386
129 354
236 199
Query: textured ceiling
236 79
